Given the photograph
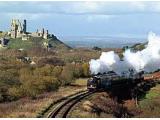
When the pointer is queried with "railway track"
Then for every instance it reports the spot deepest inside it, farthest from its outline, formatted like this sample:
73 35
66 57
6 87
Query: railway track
63 108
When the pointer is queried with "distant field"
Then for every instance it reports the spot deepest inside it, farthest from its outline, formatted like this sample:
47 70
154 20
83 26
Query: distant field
100 41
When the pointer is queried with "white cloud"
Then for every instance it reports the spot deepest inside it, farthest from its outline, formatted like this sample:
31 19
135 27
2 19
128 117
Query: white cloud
28 16
156 7
146 6
138 5
110 8
86 7
91 18
80 8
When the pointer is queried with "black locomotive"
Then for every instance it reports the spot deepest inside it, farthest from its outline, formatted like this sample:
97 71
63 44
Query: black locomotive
111 79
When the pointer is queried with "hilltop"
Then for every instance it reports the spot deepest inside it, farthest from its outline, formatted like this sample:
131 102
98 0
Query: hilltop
19 38
136 47
51 43
139 46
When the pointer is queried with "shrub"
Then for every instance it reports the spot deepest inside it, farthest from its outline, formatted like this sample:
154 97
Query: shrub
36 81
51 61
15 92
56 71
39 51
96 48
85 67
8 79
78 70
67 75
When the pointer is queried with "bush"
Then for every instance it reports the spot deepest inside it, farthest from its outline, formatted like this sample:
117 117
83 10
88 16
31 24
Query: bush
32 81
39 51
15 92
8 79
67 75
3 94
96 48
78 70
18 79
36 81
56 71
85 67
51 61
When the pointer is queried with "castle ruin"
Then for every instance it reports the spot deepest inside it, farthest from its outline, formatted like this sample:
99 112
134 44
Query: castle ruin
41 33
19 30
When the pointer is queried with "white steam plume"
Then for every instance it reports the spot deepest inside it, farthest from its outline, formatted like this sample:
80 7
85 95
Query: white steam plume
147 60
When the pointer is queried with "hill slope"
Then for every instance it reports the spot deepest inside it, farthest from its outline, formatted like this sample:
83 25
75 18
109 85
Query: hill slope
138 47
53 43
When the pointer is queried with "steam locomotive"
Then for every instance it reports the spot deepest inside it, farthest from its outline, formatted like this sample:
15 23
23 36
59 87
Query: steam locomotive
111 79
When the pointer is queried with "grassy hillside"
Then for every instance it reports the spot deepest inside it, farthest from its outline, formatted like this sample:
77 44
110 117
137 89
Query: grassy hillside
139 46
36 42
150 106
136 47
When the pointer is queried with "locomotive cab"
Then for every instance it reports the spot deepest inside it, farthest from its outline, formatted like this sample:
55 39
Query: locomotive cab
93 83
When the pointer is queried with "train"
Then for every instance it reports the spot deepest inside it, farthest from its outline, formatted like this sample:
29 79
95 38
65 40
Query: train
111 79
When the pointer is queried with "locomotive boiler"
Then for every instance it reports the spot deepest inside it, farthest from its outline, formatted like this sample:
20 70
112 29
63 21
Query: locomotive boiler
111 79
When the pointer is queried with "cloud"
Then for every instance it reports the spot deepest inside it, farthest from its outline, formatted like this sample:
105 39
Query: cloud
80 8
27 16
157 7
111 8
83 7
138 5
91 18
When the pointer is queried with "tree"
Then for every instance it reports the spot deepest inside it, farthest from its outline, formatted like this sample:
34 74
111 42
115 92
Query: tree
67 75
85 67
39 80
96 48
78 71
57 70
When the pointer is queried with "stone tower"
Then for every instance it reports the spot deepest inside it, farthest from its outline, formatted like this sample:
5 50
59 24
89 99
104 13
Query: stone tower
45 35
41 33
24 26
13 29
20 29
17 29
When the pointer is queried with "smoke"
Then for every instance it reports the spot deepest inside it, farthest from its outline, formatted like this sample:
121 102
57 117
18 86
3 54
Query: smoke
147 60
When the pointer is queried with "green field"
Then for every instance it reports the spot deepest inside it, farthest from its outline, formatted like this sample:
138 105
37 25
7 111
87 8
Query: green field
151 104
35 42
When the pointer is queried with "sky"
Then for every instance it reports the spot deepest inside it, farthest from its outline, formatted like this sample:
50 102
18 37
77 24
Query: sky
117 19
